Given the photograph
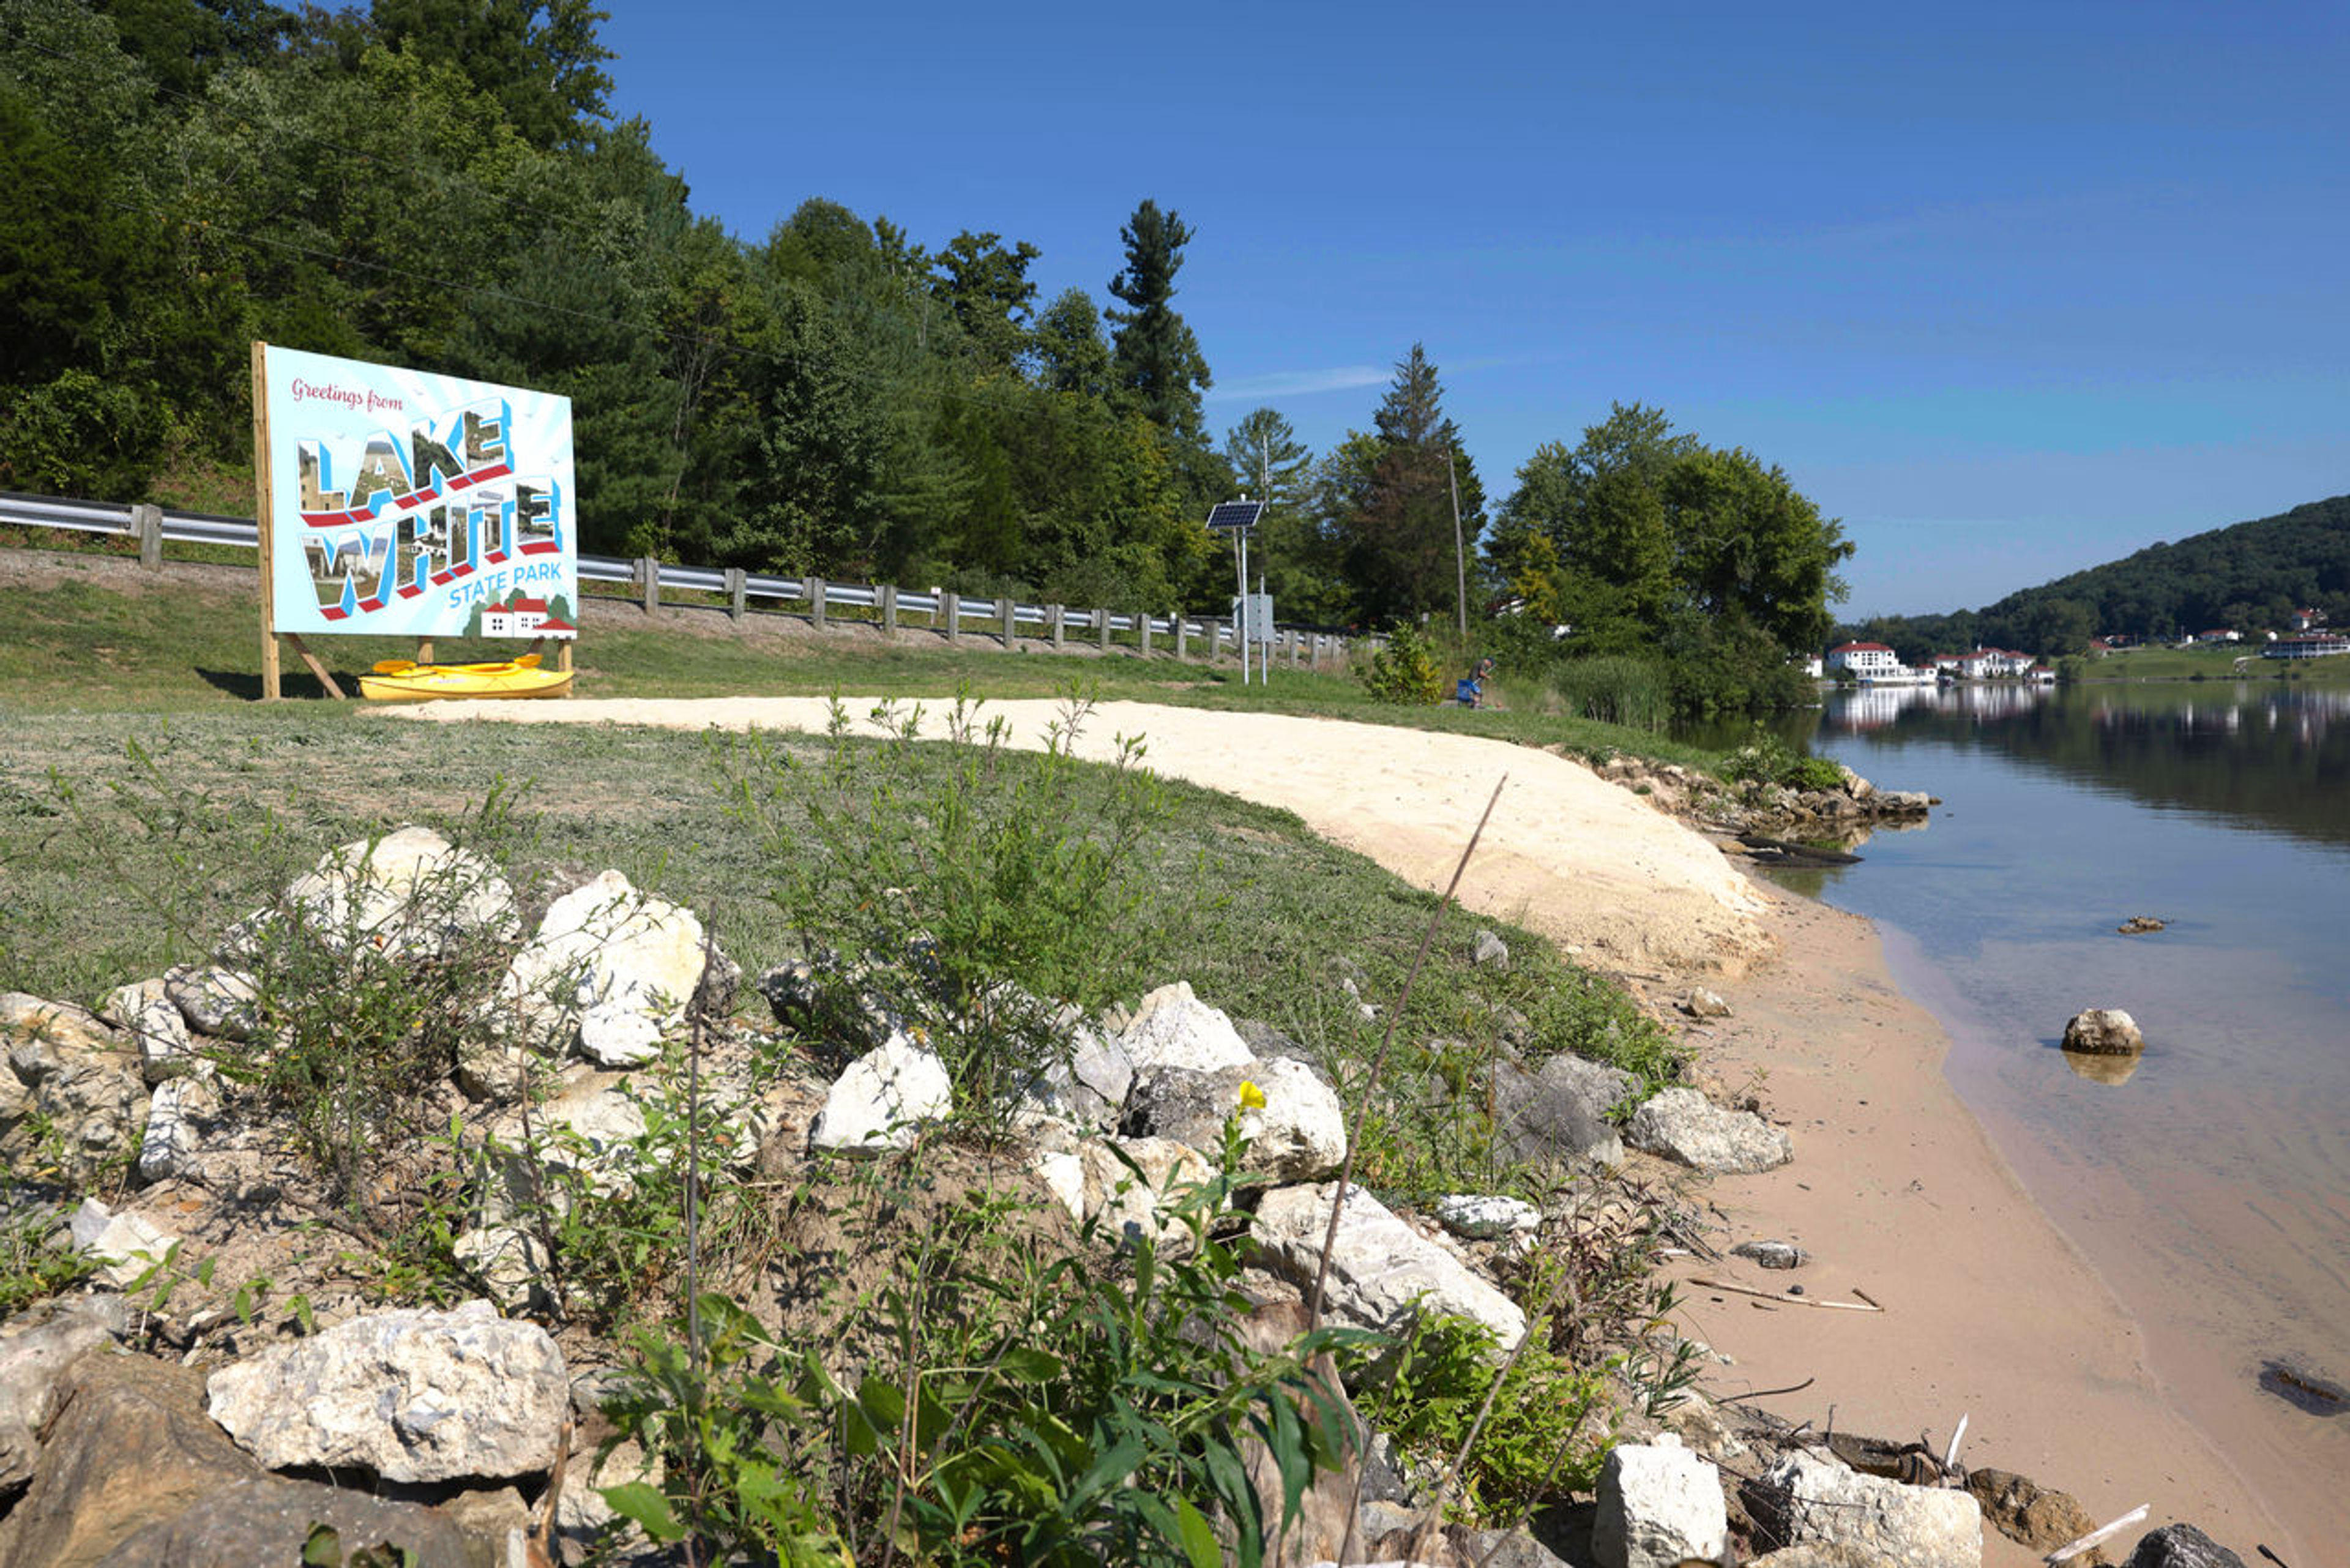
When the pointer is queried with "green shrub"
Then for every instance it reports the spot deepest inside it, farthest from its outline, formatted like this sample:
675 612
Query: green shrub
1404 671
1536 1443
1767 759
969 899
1615 688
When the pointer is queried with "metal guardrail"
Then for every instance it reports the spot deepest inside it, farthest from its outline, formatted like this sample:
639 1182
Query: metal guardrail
154 525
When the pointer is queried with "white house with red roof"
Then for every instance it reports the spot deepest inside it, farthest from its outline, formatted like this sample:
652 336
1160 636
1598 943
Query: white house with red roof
1875 664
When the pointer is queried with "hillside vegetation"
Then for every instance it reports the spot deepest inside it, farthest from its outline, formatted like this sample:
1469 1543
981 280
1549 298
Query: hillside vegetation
2248 576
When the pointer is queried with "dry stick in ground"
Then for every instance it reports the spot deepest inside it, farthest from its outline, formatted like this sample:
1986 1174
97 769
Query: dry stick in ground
1355 1121
1864 1305
2073 1549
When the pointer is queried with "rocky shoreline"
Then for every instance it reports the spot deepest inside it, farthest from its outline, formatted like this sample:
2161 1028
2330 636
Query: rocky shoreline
222 1388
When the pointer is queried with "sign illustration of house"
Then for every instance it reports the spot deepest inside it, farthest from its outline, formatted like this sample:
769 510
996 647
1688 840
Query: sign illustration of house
524 617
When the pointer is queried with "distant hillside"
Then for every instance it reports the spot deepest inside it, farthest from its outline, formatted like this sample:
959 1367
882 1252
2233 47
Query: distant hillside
2250 576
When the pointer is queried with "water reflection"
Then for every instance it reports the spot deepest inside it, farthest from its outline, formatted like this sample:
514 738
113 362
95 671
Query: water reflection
2277 753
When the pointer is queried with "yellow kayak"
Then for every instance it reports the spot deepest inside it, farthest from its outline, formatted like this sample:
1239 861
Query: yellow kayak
403 680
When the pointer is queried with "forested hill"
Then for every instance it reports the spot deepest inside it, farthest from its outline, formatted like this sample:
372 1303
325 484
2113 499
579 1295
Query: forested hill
2248 576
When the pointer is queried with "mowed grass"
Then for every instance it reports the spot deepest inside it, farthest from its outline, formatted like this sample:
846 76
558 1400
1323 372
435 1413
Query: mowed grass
2238 662
131 841
88 632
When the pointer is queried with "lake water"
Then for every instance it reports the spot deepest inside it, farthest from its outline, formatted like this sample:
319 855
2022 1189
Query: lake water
2210 1186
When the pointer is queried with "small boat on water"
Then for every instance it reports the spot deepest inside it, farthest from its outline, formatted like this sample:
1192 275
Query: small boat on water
405 681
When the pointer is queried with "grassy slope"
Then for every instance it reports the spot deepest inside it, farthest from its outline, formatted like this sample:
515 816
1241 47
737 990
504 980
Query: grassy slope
2210 664
145 805
97 635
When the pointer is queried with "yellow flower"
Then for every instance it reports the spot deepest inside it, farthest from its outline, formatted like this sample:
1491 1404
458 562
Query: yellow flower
1252 1097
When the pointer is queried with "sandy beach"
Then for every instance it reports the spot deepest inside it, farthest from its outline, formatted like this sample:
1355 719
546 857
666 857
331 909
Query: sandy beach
1989 1312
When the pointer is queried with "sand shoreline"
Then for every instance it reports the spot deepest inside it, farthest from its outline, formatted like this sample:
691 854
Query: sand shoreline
1991 1312
1896 1187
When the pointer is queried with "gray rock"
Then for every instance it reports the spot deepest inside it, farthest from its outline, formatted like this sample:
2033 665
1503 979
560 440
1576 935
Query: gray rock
1659 1505
1805 1500
883 1100
269 1519
223 1002
1173 1028
2103 1032
36 1348
1559 1111
1772 1254
1491 949
1900 802
2181 1546
70 1095
412 1395
1383 1273
1088 1091
1299 1134
509 1263
1483 1218
583 1519
1679 1124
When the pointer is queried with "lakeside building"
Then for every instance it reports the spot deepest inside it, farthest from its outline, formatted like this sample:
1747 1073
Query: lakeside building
2316 645
1875 664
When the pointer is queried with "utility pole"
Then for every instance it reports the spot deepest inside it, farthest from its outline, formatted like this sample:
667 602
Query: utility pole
1460 554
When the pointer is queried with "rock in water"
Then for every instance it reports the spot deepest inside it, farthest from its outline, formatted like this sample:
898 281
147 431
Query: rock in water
2138 925
1805 1500
1659 1506
2103 1032
1679 1124
412 1395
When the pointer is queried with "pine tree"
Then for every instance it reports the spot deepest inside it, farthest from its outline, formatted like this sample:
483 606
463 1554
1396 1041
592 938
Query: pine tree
1156 357
1402 555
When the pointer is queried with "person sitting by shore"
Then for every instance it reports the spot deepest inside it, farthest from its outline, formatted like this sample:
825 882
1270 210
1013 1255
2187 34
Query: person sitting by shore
1471 692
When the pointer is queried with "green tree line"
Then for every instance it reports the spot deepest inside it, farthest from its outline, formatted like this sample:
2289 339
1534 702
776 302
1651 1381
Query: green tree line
442 184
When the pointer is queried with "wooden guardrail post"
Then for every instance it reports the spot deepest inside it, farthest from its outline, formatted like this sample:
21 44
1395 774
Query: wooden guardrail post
1058 618
1101 628
1011 607
1182 635
889 609
951 607
738 592
814 587
1214 633
147 522
1142 619
649 579
1295 637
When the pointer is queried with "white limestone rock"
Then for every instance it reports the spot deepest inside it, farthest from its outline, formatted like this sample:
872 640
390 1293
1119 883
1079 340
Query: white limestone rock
1297 1134
412 1395
1128 1206
125 1246
177 1112
1485 1219
1173 1028
610 971
1383 1273
410 894
1659 1506
883 1100
1807 1499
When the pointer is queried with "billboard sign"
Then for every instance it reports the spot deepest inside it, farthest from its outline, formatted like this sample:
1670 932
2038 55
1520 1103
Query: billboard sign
403 503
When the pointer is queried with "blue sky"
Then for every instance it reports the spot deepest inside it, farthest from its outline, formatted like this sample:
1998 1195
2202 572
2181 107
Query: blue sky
2009 289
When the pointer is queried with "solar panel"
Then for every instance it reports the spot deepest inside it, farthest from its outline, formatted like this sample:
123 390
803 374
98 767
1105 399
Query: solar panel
1233 517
